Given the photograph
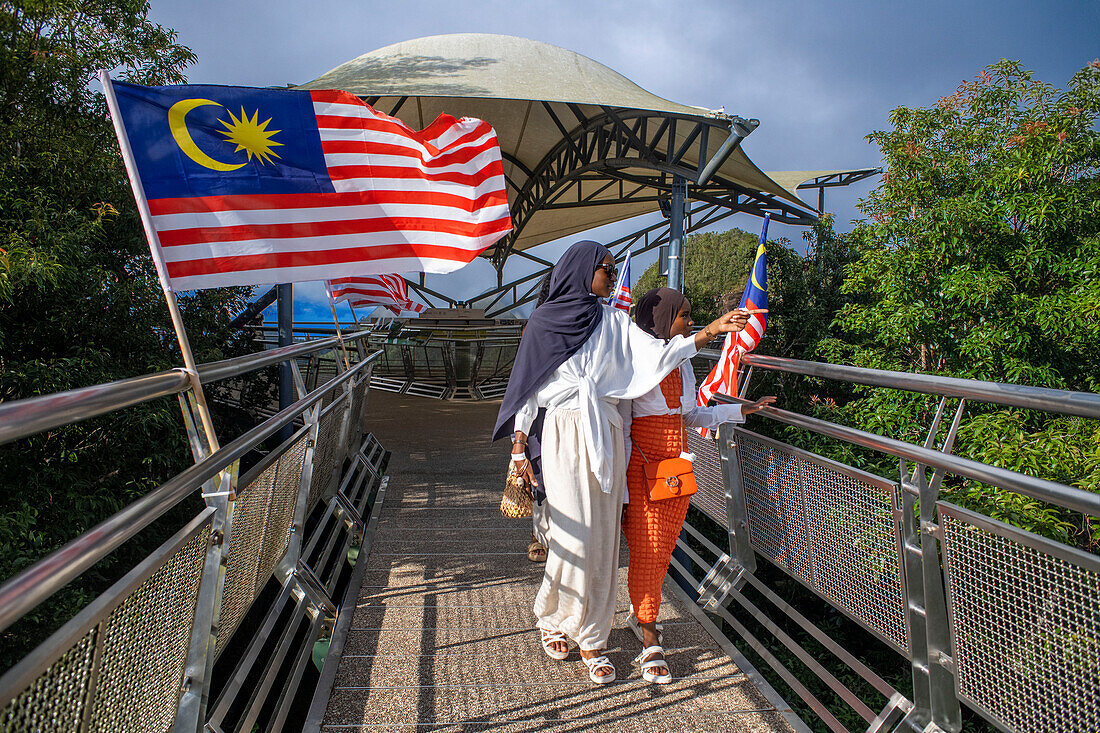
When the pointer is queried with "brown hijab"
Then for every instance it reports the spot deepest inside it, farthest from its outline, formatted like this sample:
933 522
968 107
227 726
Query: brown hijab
658 309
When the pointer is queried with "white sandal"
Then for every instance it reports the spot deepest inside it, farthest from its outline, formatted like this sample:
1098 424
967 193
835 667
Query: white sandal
553 637
599 662
636 627
647 674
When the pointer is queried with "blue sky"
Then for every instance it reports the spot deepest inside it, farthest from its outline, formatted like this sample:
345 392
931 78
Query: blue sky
818 75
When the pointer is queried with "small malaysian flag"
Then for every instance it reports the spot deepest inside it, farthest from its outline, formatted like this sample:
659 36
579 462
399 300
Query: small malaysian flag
246 186
723 377
388 291
621 297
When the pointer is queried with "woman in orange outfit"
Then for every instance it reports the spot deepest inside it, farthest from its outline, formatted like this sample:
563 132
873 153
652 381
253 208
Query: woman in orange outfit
658 420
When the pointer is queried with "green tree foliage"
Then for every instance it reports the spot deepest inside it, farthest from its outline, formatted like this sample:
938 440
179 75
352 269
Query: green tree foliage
79 300
804 291
714 264
981 259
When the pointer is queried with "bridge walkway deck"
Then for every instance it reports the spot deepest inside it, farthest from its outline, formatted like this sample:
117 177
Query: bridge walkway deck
442 638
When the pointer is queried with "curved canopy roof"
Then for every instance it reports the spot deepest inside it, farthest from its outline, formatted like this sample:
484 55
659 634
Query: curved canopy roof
488 66
583 145
794 181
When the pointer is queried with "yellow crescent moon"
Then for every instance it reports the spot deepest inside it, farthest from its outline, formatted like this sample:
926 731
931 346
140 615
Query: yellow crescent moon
759 251
177 123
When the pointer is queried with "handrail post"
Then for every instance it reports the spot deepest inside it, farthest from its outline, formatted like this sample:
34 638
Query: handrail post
915 605
219 493
727 573
284 570
931 661
946 710
737 515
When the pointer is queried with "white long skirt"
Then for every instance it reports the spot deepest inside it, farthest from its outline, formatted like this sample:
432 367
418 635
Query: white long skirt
578 590
540 521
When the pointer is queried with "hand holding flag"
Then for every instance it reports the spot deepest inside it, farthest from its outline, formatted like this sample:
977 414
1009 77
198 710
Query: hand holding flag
754 302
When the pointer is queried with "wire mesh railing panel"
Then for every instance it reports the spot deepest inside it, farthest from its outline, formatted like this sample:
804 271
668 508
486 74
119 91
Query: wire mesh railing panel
245 541
772 482
358 392
280 514
55 702
145 641
332 395
831 526
326 371
325 450
854 538
358 402
1025 614
710 498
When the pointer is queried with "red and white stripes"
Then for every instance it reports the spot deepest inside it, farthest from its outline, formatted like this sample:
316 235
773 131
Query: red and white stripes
404 201
389 291
723 377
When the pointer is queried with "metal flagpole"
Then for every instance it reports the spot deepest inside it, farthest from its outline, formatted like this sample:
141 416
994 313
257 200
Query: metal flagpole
158 260
336 320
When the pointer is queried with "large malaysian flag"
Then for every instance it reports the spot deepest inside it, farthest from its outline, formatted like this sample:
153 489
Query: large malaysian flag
389 291
723 377
250 186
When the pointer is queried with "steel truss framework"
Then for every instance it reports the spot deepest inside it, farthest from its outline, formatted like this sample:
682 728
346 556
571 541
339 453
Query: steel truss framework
634 156
626 156
834 180
525 289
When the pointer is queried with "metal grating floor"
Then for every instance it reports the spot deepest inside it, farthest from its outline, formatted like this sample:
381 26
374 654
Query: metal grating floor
443 637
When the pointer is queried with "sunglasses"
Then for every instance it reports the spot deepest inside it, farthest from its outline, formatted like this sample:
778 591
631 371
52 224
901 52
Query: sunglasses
609 269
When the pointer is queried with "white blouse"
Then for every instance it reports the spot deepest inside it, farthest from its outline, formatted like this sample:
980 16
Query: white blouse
619 361
695 416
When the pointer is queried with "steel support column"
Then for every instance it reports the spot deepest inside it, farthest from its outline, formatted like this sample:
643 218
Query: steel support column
676 235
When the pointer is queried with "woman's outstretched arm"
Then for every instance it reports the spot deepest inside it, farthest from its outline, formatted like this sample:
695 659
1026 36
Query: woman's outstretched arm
731 322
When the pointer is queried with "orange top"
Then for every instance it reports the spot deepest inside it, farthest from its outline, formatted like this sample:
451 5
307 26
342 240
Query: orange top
662 436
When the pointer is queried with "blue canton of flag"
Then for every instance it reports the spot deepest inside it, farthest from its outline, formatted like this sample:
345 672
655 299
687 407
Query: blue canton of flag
260 141
621 297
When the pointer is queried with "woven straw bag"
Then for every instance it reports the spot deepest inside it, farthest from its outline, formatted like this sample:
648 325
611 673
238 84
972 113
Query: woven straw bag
516 502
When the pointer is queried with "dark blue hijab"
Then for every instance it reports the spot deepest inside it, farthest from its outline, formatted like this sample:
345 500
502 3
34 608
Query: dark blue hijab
556 330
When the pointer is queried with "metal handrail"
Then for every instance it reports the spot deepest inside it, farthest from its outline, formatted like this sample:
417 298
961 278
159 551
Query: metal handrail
1085 502
938 547
23 418
37 583
1065 402
238 365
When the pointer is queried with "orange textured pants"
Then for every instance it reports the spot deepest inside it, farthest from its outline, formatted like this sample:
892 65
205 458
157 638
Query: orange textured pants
652 526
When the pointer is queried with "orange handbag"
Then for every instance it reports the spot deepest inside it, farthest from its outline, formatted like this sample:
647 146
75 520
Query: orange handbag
670 477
